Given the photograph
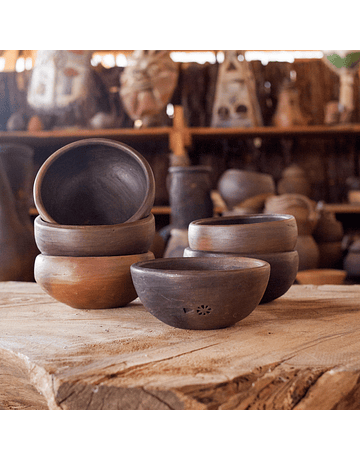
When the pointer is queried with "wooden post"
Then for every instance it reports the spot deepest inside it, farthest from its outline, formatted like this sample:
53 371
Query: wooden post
180 137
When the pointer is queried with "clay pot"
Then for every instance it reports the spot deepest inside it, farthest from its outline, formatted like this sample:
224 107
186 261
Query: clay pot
299 206
177 242
94 182
288 112
253 233
236 185
17 245
294 180
253 205
88 282
284 267
321 276
308 251
330 254
201 293
352 260
328 229
189 194
95 240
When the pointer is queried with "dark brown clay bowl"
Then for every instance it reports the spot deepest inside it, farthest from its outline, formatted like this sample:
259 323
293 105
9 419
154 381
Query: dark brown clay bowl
283 269
200 293
237 185
88 282
94 182
94 240
251 234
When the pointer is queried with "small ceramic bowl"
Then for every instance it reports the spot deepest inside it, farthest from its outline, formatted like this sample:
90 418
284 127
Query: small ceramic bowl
94 182
237 185
283 269
320 276
200 293
94 240
88 282
252 234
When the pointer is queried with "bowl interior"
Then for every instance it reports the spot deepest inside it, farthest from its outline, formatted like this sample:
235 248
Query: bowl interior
93 184
243 220
200 264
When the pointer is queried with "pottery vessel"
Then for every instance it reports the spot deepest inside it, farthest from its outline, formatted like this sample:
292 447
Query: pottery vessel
321 276
283 269
294 180
328 229
88 282
352 260
189 194
299 206
308 250
17 244
330 254
253 233
237 185
201 293
94 182
94 240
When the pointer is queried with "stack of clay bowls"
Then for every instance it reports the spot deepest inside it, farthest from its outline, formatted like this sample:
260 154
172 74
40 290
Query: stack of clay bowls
271 238
94 199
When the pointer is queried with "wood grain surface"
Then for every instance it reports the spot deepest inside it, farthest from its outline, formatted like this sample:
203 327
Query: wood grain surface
301 351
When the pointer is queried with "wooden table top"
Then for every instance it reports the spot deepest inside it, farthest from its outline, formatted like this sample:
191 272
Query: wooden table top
301 351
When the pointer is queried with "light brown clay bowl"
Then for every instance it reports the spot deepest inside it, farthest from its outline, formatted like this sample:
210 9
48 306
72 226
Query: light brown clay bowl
283 269
94 240
88 282
252 234
237 185
94 182
320 276
200 293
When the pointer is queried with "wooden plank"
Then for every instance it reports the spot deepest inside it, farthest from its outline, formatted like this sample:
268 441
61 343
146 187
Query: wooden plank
285 355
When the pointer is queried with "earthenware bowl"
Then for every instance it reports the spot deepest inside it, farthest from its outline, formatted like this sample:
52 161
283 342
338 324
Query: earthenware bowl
94 182
321 276
201 293
237 185
283 269
252 233
88 282
94 240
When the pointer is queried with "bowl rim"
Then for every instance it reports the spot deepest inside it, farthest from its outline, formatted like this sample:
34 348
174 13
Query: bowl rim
292 253
216 222
92 259
148 172
148 267
40 222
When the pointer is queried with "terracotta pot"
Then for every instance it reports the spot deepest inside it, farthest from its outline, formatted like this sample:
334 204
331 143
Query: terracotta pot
328 228
236 185
330 254
201 293
189 194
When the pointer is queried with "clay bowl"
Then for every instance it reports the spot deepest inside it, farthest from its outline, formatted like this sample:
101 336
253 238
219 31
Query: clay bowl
237 185
200 293
321 276
283 269
94 182
94 240
252 233
88 282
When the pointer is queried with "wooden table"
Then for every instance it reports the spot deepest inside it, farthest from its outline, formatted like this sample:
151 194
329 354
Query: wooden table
301 351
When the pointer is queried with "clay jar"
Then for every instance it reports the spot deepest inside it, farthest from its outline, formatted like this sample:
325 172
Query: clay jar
189 194
17 244
294 180
237 185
